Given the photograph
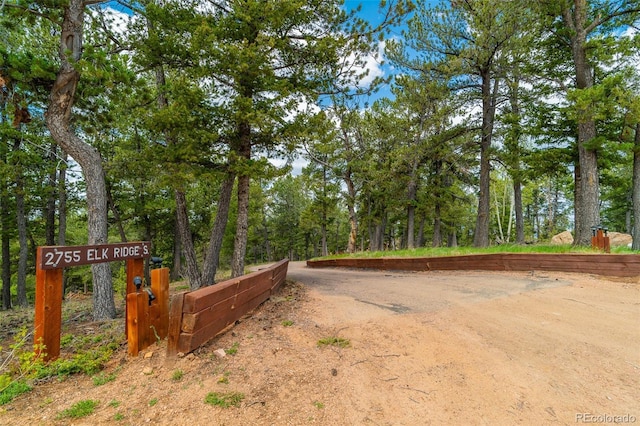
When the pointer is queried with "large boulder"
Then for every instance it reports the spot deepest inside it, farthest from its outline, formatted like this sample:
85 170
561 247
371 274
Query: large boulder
562 238
618 239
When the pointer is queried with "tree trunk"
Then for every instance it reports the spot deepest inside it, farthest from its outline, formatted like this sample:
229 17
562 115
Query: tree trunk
182 216
589 209
62 211
21 221
517 199
420 238
116 215
636 191
323 235
176 269
481 235
411 210
323 221
242 223
62 202
240 240
267 243
50 212
514 148
5 223
353 219
437 226
57 117
452 239
587 205
577 198
217 233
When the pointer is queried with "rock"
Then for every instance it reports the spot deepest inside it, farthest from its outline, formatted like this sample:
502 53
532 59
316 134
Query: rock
147 371
562 238
618 239
220 353
148 355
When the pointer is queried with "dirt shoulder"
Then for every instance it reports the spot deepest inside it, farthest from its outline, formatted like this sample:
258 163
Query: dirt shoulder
471 348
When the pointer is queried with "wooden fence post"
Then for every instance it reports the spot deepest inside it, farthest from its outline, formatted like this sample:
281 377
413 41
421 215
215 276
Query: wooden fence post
137 321
48 310
160 287
135 268
175 323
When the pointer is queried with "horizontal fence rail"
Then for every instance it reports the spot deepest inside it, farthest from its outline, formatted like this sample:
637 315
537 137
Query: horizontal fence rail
198 316
617 265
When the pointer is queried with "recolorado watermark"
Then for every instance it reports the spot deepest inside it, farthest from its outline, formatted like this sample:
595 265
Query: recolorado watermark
605 418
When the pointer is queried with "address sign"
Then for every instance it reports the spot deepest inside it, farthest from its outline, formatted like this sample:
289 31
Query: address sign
54 257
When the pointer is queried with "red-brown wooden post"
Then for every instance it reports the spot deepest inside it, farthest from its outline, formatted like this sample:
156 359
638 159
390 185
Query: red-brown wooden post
135 268
175 324
137 322
160 287
48 310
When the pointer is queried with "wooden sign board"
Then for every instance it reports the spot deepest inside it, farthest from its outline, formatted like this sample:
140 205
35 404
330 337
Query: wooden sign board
54 257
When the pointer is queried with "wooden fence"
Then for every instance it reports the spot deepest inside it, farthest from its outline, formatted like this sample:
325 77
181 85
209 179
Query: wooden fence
621 265
198 316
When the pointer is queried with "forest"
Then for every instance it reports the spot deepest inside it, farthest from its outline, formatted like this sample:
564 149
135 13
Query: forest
235 132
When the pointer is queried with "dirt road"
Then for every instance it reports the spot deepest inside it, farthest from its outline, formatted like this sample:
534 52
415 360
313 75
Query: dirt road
424 348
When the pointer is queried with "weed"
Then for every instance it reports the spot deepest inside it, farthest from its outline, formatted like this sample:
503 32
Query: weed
318 405
233 349
224 400
101 379
334 341
25 363
18 366
79 409
153 402
224 379
177 375
114 403
287 323
66 340
118 416
12 390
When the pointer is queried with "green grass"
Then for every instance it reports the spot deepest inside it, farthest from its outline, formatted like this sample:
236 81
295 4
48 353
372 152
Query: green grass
224 400
84 353
334 341
233 349
459 251
79 409
12 390
287 323
101 379
153 402
177 375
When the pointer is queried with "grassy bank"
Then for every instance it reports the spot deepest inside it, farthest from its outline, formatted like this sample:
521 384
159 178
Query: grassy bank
458 251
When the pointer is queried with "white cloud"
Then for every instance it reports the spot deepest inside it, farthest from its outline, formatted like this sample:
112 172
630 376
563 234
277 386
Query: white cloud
371 65
118 20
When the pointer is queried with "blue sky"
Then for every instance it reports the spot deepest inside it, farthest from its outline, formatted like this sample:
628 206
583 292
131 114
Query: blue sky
370 11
